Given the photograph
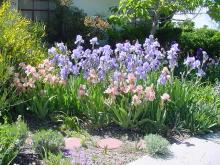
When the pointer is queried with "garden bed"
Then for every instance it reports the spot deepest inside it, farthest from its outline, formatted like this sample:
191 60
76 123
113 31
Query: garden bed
89 151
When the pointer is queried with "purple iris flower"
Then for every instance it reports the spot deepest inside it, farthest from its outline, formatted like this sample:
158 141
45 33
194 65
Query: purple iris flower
127 47
189 61
164 77
94 41
64 73
122 56
79 40
146 66
52 51
155 64
61 47
119 47
196 64
199 54
172 56
205 56
200 73
116 75
77 53
75 70
140 72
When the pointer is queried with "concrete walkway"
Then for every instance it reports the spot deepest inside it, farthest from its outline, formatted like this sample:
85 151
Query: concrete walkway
193 151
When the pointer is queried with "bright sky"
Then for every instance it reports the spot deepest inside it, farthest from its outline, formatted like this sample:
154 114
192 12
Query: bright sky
200 20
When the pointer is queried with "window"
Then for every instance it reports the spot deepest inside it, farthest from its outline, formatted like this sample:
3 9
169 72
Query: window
38 10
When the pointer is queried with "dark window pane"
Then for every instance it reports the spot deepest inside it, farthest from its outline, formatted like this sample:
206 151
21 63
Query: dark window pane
41 15
25 4
41 5
52 5
27 14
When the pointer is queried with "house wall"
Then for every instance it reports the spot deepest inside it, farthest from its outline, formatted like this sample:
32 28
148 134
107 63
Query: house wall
96 7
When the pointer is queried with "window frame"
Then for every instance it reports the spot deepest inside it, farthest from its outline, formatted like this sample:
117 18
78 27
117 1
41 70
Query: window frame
33 10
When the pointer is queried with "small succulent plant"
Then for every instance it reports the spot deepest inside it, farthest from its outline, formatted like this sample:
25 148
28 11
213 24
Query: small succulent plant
156 144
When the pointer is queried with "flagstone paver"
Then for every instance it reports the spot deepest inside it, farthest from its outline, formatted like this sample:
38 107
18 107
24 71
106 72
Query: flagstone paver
109 143
72 143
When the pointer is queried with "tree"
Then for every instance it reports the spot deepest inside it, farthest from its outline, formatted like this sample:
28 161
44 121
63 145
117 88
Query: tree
159 11
214 9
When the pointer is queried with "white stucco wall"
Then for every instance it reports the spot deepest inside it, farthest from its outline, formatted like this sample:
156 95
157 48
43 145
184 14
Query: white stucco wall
96 7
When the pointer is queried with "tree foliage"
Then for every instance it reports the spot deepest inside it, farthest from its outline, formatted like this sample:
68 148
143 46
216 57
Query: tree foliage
214 9
159 11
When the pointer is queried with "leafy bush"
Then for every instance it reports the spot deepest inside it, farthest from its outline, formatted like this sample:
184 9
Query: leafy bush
98 26
12 137
168 34
65 23
20 39
156 145
128 32
204 38
8 96
46 141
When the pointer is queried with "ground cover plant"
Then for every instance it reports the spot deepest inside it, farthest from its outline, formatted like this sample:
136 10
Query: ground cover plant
156 145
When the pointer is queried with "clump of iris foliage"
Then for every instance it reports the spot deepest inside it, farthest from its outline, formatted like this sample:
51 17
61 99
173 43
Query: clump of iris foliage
135 86
11 139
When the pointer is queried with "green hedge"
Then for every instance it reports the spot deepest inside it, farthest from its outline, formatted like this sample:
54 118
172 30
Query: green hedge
207 39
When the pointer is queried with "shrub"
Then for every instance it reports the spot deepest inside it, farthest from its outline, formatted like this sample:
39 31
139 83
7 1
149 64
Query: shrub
20 39
204 38
65 23
128 32
156 144
46 141
12 137
8 95
97 26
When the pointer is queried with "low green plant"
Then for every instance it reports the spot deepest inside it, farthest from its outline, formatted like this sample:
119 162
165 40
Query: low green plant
56 159
46 141
68 122
156 145
40 105
203 112
12 137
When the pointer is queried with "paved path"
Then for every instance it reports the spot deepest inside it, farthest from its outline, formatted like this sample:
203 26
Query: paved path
193 151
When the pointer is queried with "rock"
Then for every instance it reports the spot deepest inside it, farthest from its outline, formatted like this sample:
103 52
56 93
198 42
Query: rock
72 143
141 145
109 143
